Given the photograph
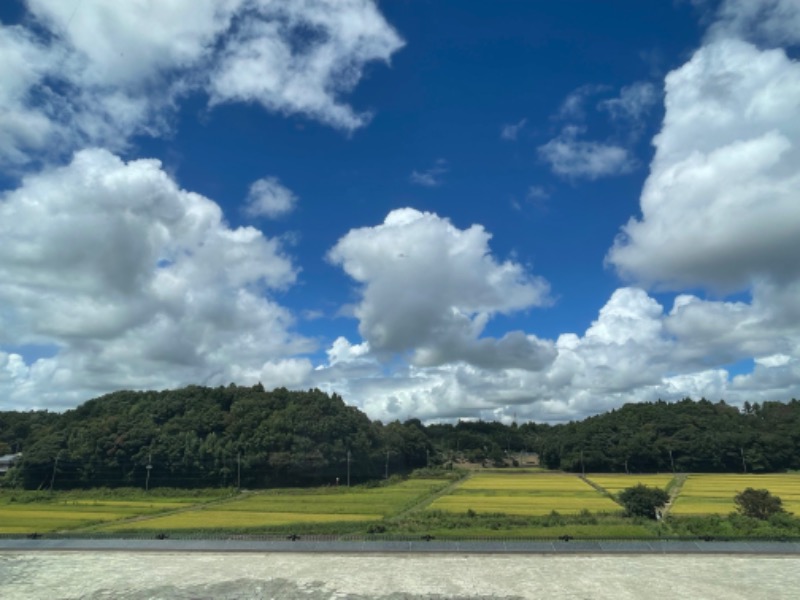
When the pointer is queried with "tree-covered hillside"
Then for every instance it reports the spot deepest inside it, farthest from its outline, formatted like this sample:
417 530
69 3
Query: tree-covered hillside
226 436
200 436
686 436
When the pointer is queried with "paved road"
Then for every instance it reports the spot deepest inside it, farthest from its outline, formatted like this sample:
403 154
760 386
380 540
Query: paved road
383 547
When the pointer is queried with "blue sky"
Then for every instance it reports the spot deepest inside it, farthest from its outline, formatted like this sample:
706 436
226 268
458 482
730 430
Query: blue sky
436 209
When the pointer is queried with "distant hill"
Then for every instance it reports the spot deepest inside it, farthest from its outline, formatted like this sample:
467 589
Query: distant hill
227 436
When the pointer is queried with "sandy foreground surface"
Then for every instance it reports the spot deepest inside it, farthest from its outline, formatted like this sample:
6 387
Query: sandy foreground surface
286 576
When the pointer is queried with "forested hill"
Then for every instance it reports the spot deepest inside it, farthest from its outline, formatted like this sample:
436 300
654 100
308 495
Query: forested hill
225 436
685 436
199 436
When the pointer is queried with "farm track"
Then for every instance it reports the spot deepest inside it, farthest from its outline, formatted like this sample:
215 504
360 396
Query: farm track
158 515
427 500
599 488
674 492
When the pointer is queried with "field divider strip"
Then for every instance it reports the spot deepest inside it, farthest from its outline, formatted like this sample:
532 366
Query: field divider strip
675 488
600 489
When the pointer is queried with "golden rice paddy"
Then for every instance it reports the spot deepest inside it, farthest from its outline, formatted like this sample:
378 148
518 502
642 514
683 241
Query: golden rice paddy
224 519
525 494
704 494
278 508
513 493
45 517
614 484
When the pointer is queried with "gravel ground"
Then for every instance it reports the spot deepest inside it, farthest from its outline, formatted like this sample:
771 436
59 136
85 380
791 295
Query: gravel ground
60 575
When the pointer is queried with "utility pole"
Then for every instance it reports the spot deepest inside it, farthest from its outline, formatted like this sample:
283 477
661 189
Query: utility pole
348 468
386 474
671 460
744 462
427 458
149 468
239 471
55 466
583 468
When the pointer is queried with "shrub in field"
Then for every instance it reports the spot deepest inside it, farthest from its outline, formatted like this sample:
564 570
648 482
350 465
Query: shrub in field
643 501
759 504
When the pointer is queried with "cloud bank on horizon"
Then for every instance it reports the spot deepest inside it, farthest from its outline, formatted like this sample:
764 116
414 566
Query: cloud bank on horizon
113 276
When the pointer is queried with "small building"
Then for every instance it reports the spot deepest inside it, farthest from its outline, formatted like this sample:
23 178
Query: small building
7 461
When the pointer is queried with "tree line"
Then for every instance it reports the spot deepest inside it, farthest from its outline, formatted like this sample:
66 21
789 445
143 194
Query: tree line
253 438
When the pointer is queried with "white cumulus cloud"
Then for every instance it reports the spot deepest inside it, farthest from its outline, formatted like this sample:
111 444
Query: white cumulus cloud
96 73
430 288
134 283
298 57
720 205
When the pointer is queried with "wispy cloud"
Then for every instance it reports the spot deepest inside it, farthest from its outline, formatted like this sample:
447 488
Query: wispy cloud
574 105
511 131
431 177
569 156
633 103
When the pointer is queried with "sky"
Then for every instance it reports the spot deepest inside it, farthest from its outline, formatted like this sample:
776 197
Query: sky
442 210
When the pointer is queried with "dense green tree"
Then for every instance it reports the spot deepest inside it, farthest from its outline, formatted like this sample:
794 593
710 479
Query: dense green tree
643 501
759 504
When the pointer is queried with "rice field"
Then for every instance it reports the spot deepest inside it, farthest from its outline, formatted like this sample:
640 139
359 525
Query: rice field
704 494
614 484
279 508
518 494
62 515
525 494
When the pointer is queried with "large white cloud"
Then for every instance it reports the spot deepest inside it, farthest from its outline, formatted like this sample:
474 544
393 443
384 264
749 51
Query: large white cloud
430 288
97 72
133 282
720 207
634 351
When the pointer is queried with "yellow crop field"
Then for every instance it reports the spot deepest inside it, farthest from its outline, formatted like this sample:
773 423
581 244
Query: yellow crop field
614 484
525 482
381 501
712 493
44 517
524 494
277 508
224 519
